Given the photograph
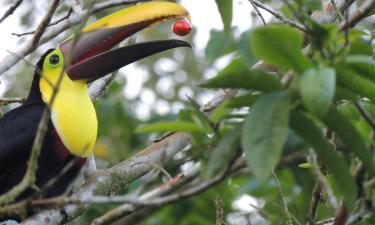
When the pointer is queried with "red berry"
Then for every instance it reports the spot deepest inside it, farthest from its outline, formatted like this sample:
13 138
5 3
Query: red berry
181 27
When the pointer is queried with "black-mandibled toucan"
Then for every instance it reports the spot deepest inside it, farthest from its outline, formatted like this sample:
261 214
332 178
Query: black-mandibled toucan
72 128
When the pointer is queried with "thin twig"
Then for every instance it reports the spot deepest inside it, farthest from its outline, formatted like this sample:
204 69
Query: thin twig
362 12
322 222
157 167
331 199
36 69
109 4
11 10
337 11
358 216
297 15
49 25
24 60
6 101
219 206
365 114
289 214
346 13
316 197
258 12
279 16
44 23
288 219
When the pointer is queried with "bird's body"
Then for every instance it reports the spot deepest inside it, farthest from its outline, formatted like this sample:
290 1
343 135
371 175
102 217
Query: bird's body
72 126
17 132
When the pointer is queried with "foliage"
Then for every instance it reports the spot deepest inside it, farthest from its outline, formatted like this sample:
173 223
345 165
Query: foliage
316 94
312 106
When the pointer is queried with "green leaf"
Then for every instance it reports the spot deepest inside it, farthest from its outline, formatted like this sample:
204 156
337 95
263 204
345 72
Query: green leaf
350 136
226 12
343 93
312 135
171 126
280 46
349 110
220 111
322 35
305 166
218 45
361 47
244 48
224 151
312 5
362 65
244 100
199 118
238 75
356 83
264 133
317 89
194 115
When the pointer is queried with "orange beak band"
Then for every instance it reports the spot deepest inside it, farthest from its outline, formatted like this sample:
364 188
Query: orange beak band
92 56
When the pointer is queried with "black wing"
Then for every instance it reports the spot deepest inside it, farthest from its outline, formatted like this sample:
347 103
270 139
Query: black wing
17 132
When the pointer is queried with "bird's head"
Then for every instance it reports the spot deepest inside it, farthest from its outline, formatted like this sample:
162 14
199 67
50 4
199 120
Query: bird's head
91 56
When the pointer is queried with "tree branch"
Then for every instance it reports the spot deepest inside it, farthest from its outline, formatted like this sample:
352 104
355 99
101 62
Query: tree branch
258 12
6 101
331 199
365 114
279 16
51 24
362 12
11 10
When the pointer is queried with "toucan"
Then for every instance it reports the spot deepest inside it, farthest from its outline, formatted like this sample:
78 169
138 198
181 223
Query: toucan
73 126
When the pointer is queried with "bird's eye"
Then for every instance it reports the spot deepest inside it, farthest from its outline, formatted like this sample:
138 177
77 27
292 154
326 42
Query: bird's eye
54 59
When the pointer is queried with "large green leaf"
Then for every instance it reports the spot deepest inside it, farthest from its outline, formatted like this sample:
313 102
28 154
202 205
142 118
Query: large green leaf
280 46
362 65
226 12
312 135
356 83
171 126
224 152
238 75
317 89
264 133
361 47
350 136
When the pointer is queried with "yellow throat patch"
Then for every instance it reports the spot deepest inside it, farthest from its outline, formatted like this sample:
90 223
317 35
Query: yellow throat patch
72 113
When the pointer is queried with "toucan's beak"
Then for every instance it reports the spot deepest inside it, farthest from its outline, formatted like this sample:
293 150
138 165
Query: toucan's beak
92 56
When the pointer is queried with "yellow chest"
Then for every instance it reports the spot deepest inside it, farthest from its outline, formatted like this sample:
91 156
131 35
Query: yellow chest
73 115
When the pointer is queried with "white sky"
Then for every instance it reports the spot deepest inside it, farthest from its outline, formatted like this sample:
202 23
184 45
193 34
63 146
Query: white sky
205 17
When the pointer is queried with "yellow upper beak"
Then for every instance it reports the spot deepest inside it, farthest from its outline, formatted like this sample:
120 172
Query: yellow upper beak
146 13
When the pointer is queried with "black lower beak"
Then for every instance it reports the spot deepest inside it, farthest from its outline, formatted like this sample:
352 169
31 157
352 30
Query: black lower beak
110 61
